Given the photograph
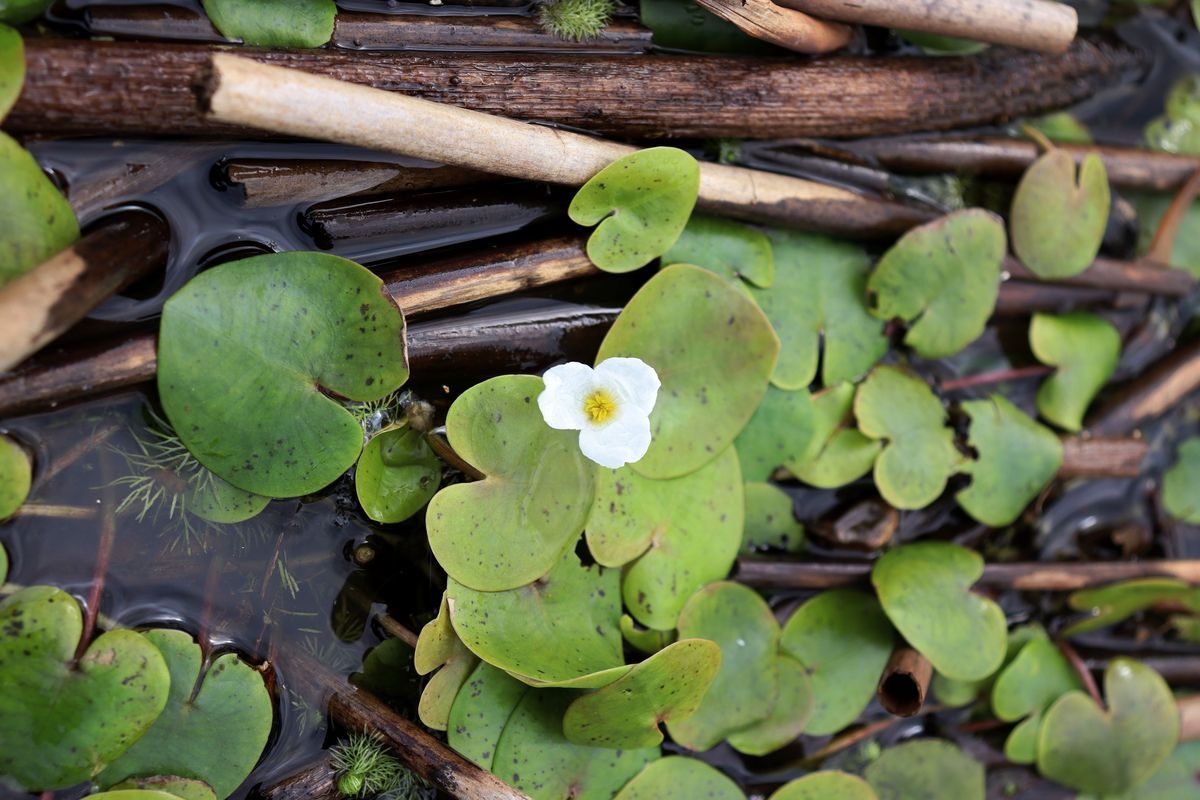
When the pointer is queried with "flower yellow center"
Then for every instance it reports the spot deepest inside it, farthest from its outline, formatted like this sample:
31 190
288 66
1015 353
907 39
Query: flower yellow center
599 406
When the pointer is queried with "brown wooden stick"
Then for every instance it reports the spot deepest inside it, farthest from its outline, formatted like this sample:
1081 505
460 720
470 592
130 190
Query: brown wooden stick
1029 577
1156 391
1022 298
1102 458
1032 24
394 629
39 306
123 88
1189 718
275 182
905 682
785 27
317 781
1119 276
1178 670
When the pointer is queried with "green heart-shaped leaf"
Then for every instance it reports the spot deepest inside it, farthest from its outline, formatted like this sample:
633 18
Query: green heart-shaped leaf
688 531
534 757
274 23
1108 752
924 589
642 202
183 788
38 221
1180 486
790 713
1038 676
713 350
735 251
214 734
561 627
647 640
480 712
946 276
920 454
819 296
512 527
62 721
665 687
1177 779
770 520
747 684
837 453
780 432
825 785
844 640
397 474
1057 223
12 69
439 648
928 769
16 12
1016 459
680 778
1085 349
1108 605
247 352
16 476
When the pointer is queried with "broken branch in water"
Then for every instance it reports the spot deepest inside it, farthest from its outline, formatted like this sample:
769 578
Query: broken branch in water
785 27
1156 391
905 682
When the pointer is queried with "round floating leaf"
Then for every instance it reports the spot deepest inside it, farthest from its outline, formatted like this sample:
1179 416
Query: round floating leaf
16 476
642 202
38 221
730 249
1017 458
680 778
825 785
837 453
1085 349
1057 222
480 712
711 382
215 734
780 432
534 757
770 520
16 12
248 351
61 721
1180 487
138 794
1108 605
274 23
12 68
646 640
747 684
1108 752
512 527
561 627
920 454
1177 779
217 500
438 648
844 640
689 527
183 788
1038 676
788 716
924 589
819 295
946 276
926 769
667 686
397 474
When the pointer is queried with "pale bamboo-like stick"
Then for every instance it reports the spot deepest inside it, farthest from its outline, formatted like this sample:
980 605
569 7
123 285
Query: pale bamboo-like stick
781 26
1031 24
905 682
246 92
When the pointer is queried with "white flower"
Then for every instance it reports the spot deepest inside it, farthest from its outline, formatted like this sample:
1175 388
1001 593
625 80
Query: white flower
610 407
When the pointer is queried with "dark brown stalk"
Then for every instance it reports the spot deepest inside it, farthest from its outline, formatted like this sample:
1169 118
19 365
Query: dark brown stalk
274 182
845 740
394 629
1102 458
104 548
1163 244
121 88
446 453
1175 670
317 781
39 306
1029 577
138 173
905 682
1022 298
992 378
867 525
1156 391
1119 276
1081 670
78 451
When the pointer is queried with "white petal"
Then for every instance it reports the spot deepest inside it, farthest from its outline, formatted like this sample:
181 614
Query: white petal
562 400
621 442
637 378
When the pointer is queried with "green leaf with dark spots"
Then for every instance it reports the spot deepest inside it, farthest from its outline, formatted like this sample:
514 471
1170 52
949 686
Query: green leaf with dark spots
480 712
642 202
218 500
770 520
926 769
680 778
248 352
790 713
12 68
38 221
733 250
825 785
513 526
837 453
1059 214
397 474
439 648
182 788
274 23
62 721
1085 349
137 794
781 431
16 476
1180 488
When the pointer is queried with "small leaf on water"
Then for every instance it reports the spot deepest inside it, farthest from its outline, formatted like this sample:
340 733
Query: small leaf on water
1107 752
790 713
642 202
16 12
218 500
734 251
12 68
924 589
926 769
680 778
16 476
780 432
183 788
1085 349
1058 217
770 520
480 712
38 220
1180 487
1109 605
837 453
825 785
397 474
1038 676
438 646
945 275
274 23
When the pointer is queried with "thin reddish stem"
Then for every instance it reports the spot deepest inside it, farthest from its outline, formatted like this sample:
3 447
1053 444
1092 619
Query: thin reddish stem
1081 669
999 376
